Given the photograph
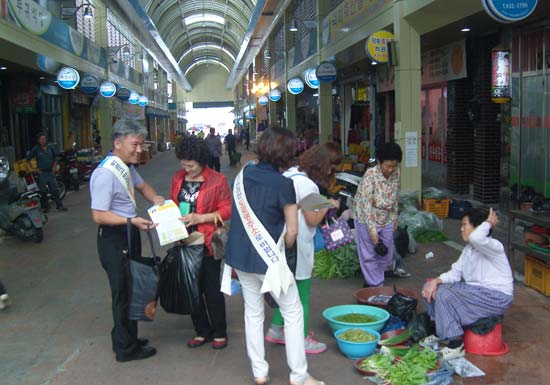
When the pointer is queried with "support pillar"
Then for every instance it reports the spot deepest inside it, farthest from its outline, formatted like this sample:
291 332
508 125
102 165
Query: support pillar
325 112
407 99
290 111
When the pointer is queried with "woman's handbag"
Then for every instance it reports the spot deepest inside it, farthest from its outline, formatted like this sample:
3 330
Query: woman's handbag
336 234
144 282
220 236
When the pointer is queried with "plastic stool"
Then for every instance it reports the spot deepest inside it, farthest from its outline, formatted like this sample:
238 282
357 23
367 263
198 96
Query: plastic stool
489 344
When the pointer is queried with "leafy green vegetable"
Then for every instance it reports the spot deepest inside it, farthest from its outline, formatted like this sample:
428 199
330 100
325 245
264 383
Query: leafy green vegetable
394 351
340 263
429 236
356 335
400 338
356 318
378 363
425 358
404 373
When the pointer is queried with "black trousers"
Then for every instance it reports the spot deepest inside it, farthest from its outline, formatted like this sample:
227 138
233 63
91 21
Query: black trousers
2 289
209 318
112 246
214 163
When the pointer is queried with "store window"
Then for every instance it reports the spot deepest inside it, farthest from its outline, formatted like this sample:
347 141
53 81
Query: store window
51 119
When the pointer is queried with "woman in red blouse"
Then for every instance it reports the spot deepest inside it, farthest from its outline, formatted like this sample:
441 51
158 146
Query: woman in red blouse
206 194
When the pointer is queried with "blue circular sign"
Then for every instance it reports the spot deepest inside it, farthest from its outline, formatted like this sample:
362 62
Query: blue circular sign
134 98
68 78
508 11
123 93
89 84
107 89
143 100
326 72
263 100
241 122
275 95
311 78
295 86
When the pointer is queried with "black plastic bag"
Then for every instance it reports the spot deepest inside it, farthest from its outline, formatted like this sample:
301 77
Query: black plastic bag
144 288
401 241
402 306
421 326
179 279
485 325
291 254
144 282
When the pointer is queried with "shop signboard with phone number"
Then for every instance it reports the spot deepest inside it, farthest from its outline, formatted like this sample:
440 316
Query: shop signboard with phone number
509 11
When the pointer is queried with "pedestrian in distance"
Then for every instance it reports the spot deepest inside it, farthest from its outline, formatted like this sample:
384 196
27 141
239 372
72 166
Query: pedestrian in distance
214 144
114 209
4 297
46 161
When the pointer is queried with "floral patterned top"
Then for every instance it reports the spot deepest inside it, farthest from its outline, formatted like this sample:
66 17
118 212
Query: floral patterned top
376 202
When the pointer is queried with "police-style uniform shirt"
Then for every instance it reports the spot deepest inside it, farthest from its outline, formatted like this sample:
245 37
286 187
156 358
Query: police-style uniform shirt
108 193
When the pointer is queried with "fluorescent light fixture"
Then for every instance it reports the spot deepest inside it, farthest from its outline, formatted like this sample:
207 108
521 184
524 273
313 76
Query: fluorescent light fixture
374 62
88 14
42 78
316 94
202 18
465 29
3 68
293 27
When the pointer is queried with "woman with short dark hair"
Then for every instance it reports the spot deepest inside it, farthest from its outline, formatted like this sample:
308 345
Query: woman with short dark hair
375 206
270 198
207 195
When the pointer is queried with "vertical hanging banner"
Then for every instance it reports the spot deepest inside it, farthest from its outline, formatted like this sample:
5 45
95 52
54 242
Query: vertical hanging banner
500 79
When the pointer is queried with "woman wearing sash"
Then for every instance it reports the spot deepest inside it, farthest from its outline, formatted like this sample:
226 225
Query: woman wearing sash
316 169
267 202
205 194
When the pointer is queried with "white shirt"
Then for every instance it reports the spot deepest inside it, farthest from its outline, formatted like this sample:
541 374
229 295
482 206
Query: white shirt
483 262
303 187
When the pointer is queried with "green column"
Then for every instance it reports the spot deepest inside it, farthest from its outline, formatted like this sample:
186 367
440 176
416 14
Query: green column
407 99
272 113
325 112
290 111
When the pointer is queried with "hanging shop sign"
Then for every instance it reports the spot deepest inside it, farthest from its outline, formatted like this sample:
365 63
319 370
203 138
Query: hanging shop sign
377 46
68 78
133 98
326 72
500 79
241 122
311 78
89 84
295 86
275 95
107 89
123 93
143 100
509 11
263 100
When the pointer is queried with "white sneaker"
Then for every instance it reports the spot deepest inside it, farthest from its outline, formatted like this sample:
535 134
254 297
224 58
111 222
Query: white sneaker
4 301
276 335
313 346
449 354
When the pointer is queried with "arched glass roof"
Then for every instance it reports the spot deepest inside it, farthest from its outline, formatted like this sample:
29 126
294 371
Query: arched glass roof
201 31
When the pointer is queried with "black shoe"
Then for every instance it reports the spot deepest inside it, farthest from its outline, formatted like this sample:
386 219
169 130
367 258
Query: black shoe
142 342
140 354
61 208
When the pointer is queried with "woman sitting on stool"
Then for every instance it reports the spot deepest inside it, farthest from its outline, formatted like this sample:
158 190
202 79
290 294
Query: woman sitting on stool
479 285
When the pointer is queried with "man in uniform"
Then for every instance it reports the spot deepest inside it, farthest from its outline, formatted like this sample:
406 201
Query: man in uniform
113 207
45 162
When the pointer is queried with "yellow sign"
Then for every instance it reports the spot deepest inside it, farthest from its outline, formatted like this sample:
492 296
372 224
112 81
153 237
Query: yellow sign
377 46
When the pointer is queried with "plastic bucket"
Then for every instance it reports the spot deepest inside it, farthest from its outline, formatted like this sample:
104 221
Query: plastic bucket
489 344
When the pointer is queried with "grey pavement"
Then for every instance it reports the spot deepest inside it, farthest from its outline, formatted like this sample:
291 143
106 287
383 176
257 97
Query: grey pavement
57 330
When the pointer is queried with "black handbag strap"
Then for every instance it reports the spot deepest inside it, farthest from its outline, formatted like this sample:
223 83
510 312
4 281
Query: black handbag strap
149 236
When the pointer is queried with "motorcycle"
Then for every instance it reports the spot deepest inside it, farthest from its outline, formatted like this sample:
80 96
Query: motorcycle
31 186
68 169
19 213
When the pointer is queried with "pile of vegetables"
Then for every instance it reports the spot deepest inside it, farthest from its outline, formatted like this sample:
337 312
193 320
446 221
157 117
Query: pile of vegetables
429 236
340 263
401 365
356 318
357 335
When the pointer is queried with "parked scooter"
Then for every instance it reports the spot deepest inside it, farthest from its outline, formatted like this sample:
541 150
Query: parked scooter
68 169
31 185
19 214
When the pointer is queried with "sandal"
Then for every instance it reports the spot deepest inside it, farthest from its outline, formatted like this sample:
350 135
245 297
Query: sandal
308 381
261 380
197 341
449 354
219 343
429 339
